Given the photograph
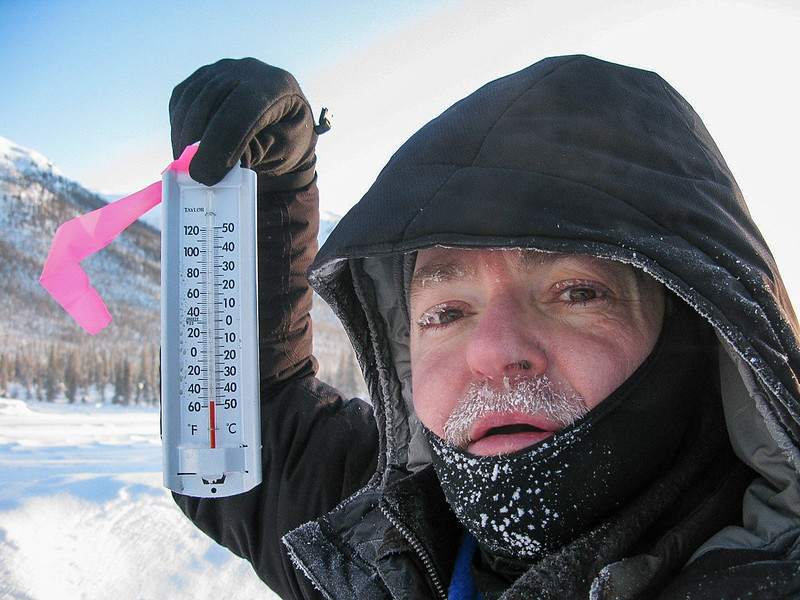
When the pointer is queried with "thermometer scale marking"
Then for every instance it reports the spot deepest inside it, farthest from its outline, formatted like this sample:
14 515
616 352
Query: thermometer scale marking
209 336
210 243
210 343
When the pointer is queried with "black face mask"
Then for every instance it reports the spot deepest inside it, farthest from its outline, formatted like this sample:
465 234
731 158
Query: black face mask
535 500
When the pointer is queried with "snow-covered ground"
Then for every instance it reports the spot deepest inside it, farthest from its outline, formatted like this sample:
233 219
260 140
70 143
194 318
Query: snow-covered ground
83 514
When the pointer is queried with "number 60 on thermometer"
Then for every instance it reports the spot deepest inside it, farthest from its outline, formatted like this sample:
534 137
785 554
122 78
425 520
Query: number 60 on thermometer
209 335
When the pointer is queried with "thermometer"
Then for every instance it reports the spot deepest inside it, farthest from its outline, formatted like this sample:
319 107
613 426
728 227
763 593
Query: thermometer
209 335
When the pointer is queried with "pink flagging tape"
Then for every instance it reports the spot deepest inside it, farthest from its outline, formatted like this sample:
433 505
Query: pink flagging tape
81 237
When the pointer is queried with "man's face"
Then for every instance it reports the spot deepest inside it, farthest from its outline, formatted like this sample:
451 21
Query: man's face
509 346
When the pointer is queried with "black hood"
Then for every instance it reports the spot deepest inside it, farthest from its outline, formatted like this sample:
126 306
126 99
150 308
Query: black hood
575 155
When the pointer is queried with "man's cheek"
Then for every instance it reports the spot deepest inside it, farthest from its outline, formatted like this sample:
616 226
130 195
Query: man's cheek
432 407
438 379
599 376
427 411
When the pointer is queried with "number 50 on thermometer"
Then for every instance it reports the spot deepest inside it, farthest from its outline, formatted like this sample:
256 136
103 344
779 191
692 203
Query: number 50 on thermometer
209 335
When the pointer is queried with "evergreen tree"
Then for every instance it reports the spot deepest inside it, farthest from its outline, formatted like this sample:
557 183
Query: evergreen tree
72 377
151 382
141 378
123 383
23 373
50 380
5 374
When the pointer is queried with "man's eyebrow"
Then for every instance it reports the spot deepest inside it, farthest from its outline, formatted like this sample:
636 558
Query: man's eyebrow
437 273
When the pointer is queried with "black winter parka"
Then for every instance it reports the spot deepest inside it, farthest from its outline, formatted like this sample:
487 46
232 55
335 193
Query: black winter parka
571 155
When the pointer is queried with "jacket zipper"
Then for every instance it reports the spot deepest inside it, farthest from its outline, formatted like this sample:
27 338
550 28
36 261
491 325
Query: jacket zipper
417 547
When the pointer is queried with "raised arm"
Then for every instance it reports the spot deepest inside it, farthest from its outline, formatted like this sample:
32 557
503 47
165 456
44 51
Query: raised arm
245 110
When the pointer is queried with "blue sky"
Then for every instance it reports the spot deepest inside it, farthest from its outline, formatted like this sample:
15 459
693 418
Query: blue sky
83 80
87 83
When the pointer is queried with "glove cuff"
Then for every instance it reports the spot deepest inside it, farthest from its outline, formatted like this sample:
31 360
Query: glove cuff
288 182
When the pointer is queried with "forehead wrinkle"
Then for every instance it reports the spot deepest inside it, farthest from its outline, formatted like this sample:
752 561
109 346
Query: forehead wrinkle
537 258
533 258
436 273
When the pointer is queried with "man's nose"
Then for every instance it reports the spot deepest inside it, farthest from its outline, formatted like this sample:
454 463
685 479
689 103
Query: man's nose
508 341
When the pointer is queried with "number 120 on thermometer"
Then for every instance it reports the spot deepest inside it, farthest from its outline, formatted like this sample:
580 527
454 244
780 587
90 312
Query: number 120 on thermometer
209 335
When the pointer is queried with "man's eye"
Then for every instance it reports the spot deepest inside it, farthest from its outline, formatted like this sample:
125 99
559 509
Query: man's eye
579 295
439 316
580 292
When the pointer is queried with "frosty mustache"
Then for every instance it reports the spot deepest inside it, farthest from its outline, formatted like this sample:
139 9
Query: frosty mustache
535 395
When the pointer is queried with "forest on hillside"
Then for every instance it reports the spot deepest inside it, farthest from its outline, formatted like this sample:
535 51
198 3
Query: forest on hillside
91 372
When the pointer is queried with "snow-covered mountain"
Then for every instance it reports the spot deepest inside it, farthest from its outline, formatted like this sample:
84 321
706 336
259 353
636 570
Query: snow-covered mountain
23 160
35 198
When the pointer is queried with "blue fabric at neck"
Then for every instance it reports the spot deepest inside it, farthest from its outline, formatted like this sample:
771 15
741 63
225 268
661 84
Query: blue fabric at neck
462 586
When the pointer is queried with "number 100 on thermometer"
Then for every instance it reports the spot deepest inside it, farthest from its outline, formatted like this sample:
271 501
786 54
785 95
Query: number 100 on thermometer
209 335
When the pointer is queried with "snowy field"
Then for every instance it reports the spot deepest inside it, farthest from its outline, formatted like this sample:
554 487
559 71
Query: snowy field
83 514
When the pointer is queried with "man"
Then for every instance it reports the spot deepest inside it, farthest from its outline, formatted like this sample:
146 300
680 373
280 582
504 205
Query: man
555 291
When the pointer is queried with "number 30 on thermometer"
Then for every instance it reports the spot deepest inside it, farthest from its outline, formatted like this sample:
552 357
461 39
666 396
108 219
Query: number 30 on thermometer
209 336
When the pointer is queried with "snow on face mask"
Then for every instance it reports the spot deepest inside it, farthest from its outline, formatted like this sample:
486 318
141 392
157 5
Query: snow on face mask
507 502
522 504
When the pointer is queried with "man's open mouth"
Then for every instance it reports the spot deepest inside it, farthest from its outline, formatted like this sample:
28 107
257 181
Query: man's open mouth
512 429
503 434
